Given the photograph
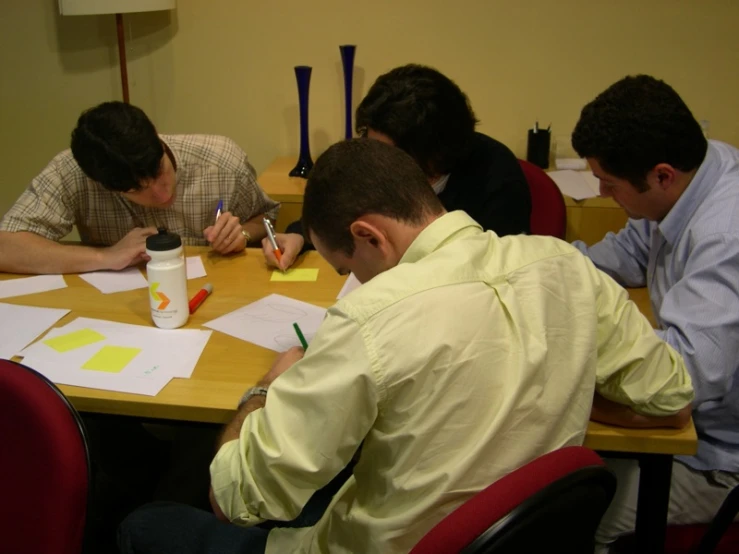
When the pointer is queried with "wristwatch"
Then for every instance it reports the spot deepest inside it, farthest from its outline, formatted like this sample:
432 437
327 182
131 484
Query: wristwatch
247 236
254 391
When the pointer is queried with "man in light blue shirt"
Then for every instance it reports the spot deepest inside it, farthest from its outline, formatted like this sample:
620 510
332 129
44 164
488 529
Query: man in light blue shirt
682 241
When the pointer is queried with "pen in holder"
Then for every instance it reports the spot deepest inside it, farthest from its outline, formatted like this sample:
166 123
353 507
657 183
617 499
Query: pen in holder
537 151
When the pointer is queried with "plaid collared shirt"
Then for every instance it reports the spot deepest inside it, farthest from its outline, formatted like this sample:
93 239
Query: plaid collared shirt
208 169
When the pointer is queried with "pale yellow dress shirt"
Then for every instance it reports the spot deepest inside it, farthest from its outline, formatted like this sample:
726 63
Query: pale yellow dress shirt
473 356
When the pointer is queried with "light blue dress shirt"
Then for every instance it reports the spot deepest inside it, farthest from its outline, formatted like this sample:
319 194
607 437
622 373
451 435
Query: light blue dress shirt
690 262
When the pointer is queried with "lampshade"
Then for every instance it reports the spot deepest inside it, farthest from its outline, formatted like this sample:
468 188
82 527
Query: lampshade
91 7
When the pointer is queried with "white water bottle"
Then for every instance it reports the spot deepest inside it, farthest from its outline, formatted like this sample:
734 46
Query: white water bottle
167 277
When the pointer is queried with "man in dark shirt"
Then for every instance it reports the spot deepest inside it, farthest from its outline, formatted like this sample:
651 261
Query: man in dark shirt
427 115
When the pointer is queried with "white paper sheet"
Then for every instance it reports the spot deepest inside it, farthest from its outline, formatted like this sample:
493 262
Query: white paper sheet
269 322
576 184
570 163
31 285
131 278
108 282
195 267
20 325
350 284
163 354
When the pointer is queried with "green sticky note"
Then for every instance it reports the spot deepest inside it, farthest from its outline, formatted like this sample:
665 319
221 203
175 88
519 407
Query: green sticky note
75 339
111 358
295 275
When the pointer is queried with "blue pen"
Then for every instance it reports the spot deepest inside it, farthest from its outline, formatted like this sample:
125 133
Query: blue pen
218 210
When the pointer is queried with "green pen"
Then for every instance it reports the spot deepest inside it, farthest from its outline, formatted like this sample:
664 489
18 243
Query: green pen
300 336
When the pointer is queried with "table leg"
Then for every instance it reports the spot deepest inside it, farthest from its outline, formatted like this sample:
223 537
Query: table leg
652 503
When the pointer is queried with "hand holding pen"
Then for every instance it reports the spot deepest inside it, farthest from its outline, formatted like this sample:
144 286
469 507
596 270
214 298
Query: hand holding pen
289 245
226 235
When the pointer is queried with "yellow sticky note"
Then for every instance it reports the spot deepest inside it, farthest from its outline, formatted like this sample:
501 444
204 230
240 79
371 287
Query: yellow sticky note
295 275
111 358
75 339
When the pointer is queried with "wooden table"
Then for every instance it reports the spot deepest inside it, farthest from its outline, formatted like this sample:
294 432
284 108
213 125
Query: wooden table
588 220
229 366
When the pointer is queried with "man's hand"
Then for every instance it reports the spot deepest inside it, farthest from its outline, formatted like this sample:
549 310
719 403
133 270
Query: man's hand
225 237
282 363
290 245
130 250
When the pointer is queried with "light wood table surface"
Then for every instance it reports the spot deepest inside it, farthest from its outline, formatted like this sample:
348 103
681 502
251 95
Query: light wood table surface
591 219
229 366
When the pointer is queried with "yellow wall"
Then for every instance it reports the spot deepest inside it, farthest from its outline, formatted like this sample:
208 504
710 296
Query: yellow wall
225 66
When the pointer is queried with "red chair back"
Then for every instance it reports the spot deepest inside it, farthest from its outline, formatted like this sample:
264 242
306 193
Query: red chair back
552 504
44 466
548 212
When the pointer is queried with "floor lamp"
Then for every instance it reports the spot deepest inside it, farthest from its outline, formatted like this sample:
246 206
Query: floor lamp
118 7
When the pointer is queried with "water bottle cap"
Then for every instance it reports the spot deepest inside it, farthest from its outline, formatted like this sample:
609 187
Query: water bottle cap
163 241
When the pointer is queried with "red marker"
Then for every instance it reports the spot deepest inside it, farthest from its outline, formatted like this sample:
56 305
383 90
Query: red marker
200 297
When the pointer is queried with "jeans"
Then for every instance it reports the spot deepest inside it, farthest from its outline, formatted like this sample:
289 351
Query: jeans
167 527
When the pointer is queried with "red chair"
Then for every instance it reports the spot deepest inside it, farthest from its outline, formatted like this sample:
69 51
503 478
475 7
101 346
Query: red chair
553 504
44 466
548 212
720 536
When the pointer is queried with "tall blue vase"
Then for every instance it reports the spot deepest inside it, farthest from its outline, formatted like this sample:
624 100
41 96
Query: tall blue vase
347 60
305 163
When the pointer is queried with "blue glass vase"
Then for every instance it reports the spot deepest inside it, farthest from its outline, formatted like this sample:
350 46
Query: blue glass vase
347 61
305 163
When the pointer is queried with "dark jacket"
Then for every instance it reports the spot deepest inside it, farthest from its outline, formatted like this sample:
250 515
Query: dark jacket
489 185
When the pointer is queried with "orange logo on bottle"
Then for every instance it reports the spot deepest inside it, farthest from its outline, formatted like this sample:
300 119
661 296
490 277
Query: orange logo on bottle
158 296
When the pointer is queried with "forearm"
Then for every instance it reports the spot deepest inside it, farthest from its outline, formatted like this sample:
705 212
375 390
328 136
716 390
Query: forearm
24 252
233 429
231 432
612 413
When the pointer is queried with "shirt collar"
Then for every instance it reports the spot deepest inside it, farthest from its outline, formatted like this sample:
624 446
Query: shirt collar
672 226
440 184
179 170
449 226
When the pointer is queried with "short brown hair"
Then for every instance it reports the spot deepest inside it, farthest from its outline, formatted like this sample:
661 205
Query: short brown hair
359 177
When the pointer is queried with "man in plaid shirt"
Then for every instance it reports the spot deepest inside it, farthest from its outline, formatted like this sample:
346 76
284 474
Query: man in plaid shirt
120 182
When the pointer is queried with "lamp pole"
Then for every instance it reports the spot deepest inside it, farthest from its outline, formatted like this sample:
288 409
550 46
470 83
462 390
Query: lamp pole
122 55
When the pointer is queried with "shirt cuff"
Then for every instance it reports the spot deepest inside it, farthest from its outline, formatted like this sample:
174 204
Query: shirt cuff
225 479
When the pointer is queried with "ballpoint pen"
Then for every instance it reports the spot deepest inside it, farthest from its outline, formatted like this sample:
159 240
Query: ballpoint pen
218 210
273 241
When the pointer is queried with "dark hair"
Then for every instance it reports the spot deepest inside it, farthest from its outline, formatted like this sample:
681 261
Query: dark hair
359 177
424 113
634 125
116 145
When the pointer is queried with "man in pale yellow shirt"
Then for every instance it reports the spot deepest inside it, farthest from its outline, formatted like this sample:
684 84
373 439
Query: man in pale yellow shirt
462 357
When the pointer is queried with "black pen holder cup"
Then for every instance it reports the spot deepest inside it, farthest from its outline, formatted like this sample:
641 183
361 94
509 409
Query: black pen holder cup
537 151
